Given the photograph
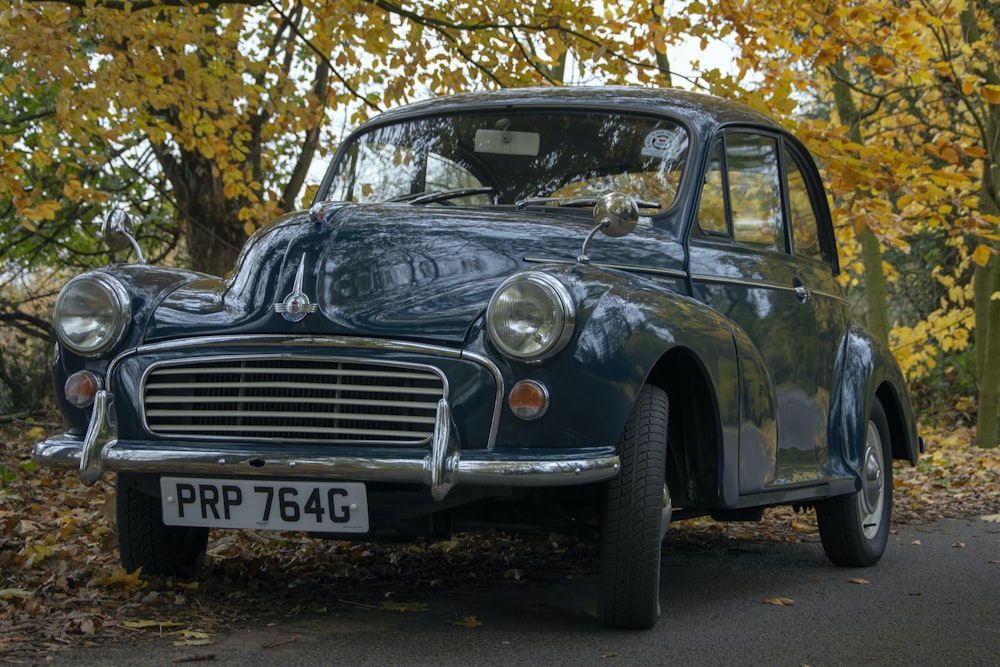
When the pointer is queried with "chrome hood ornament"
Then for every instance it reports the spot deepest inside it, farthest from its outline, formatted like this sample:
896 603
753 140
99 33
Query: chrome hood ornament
296 305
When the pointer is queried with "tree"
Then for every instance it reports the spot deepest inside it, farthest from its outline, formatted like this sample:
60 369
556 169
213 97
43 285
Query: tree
899 99
218 109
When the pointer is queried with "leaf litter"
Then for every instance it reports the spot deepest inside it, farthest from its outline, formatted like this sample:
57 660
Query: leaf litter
61 584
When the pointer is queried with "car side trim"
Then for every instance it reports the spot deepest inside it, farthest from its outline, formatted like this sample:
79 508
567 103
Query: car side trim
632 268
745 282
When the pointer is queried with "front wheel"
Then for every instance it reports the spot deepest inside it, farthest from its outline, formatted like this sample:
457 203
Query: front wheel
145 541
636 514
854 528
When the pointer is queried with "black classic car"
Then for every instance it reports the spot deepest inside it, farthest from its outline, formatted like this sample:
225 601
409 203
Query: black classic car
580 309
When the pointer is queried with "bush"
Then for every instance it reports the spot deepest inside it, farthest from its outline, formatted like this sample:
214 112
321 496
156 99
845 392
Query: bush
25 376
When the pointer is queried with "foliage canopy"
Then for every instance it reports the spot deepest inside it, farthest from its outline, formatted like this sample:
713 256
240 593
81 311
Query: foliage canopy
206 120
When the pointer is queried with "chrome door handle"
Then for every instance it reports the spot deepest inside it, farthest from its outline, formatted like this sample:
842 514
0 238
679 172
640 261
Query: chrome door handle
802 293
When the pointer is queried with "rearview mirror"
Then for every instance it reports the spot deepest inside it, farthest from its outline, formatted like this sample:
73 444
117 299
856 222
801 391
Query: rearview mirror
118 231
506 142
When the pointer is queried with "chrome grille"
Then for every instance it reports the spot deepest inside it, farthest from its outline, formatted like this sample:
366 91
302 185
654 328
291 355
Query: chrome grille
293 399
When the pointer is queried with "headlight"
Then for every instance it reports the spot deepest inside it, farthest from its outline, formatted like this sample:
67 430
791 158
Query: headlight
530 316
91 314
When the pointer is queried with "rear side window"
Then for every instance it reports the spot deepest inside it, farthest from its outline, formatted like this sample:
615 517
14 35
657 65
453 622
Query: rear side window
805 230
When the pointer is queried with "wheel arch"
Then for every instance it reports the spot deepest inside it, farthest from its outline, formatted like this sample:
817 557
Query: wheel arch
694 449
905 443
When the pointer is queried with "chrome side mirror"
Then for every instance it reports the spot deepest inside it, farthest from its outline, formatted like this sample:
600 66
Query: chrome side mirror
616 214
118 231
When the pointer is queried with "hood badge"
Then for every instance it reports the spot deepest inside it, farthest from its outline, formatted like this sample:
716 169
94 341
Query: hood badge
296 305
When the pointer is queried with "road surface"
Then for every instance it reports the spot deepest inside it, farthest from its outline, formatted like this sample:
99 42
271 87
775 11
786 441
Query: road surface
934 599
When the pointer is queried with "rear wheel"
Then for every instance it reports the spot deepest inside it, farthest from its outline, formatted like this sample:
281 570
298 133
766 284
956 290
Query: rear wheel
854 529
144 541
636 514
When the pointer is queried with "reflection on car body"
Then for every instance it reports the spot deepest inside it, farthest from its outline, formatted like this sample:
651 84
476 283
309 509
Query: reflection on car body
577 309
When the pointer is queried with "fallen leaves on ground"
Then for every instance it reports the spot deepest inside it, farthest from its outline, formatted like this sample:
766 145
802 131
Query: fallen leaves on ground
61 584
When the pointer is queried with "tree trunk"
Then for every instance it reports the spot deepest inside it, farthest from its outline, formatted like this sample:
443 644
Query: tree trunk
215 233
876 292
986 280
876 297
215 237
987 283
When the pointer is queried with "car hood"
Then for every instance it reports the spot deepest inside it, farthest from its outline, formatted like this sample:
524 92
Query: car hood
394 271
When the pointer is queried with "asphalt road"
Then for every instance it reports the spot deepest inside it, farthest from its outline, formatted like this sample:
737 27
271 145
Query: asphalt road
934 599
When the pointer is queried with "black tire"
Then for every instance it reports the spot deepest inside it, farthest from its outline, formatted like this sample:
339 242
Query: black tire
854 528
144 541
636 514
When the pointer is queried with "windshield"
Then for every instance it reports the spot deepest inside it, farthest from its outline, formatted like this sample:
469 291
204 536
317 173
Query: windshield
515 158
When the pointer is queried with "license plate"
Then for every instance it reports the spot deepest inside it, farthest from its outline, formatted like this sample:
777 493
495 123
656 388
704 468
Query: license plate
336 507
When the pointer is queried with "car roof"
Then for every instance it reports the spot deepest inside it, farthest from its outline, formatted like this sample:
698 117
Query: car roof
701 111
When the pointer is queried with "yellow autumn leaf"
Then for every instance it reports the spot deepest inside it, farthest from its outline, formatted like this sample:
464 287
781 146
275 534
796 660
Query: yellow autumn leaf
44 211
146 624
123 577
990 93
9 593
803 526
468 622
780 602
36 553
982 254
194 638
192 642
858 580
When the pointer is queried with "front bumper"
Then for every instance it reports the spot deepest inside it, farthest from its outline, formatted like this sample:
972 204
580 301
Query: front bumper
440 469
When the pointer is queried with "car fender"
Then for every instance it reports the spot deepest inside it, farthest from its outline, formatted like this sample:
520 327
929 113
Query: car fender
627 330
866 369
146 286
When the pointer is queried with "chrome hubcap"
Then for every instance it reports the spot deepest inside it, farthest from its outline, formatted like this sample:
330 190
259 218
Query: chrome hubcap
665 512
871 499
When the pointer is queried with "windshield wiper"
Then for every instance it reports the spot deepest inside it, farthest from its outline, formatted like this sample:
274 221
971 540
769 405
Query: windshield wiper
575 202
434 196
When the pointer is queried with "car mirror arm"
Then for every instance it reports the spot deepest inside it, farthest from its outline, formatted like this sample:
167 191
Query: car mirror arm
616 214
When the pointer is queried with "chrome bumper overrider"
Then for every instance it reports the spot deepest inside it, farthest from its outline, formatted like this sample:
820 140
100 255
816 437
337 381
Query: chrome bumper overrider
441 469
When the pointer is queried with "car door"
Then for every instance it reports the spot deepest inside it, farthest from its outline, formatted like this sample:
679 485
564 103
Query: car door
743 264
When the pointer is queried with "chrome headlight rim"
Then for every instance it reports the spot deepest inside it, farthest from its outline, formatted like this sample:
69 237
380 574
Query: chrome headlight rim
119 301
562 306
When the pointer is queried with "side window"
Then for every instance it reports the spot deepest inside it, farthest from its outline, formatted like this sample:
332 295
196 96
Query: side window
755 189
712 207
805 239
